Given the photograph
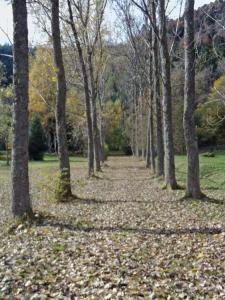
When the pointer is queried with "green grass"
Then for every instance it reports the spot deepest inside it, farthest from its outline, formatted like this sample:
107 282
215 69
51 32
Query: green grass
212 171
49 160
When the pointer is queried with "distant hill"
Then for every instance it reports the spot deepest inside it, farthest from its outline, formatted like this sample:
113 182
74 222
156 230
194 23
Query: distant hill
210 33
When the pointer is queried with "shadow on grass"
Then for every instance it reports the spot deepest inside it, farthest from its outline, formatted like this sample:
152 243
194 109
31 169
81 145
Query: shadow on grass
82 227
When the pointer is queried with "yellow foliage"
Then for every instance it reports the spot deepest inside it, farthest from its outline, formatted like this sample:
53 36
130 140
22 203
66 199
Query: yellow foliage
42 90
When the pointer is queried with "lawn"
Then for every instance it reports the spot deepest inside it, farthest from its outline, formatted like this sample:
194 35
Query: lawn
49 159
212 171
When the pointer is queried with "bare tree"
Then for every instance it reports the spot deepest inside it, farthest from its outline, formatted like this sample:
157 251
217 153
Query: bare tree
86 90
21 204
157 96
193 181
87 36
170 179
64 189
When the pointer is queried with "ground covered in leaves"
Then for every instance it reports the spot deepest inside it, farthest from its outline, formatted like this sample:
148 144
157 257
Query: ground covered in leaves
124 238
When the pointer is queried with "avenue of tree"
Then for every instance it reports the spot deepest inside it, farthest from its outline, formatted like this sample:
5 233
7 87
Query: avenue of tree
77 40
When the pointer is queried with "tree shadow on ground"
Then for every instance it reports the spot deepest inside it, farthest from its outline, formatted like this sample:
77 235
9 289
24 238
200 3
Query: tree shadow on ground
203 200
56 223
127 179
93 201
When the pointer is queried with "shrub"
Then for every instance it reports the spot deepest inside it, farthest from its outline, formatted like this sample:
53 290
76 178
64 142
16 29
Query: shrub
208 154
37 145
106 151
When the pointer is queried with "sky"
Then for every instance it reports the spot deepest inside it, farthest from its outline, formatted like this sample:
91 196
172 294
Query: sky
35 35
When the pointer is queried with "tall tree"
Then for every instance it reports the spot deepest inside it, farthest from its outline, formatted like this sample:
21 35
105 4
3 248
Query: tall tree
21 204
150 155
170 179
86 89
193 182
156 87
64 189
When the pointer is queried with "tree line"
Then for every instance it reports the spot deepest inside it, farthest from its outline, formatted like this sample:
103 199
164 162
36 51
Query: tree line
77 36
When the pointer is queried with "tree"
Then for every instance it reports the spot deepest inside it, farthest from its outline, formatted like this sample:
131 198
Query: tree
6 119
64 190
157 98
170 179
193 181
42 92
86 90
21 204
37 144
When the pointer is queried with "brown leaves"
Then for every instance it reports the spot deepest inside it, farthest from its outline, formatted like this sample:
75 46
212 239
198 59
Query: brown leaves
126 239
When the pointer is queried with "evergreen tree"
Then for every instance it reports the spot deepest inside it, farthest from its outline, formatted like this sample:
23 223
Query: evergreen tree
37 144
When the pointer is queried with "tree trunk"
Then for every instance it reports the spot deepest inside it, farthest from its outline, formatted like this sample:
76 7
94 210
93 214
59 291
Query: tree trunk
7 151
101 128
157 100
86 91
136 122
96 137
150 157
64 189
193 182
170 179
21 204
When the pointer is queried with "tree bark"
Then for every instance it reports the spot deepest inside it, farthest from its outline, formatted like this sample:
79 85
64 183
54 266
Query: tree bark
150 157
86 91
157 100
21 204
170 179
136 121
193 181
64 189
96 137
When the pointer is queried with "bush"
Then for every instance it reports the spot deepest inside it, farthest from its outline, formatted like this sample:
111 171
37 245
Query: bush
37 145
106 151
208 154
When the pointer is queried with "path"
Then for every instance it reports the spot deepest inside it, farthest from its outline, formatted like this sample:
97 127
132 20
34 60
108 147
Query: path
126 239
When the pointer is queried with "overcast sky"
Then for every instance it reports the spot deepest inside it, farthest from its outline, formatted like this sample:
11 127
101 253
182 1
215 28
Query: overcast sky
34 32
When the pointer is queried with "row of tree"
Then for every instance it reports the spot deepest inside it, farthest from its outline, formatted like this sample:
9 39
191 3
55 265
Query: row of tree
82 23
76 34
150 56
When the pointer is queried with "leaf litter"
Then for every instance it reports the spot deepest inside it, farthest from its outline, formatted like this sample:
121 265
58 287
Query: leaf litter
124 238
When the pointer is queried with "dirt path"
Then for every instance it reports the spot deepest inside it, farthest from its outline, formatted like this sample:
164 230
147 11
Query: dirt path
125 238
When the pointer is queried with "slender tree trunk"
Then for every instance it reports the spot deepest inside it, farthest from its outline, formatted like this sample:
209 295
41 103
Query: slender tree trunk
21 204
96 137
101 129
150 157
193 181
86 91
7 150
157 100
136 122
64 189
170 179
148 152
142 126
151 119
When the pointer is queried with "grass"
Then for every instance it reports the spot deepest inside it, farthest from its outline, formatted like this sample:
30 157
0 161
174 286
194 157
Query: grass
212 171
40 169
